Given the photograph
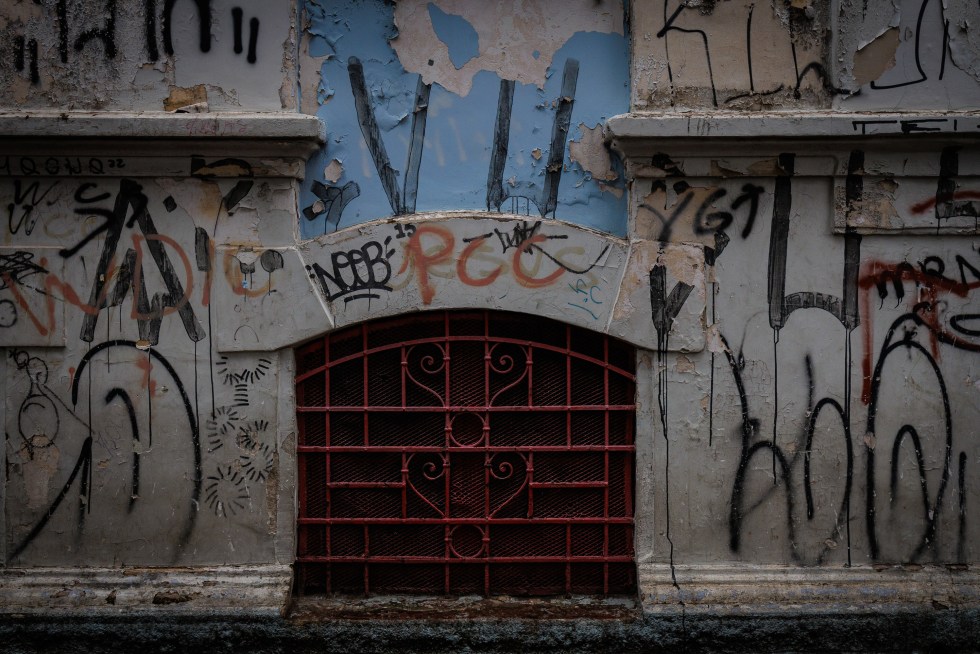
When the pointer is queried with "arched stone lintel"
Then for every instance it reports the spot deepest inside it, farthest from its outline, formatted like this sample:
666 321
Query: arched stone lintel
464 261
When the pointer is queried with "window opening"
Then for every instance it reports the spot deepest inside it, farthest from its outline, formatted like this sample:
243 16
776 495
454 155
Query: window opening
465 453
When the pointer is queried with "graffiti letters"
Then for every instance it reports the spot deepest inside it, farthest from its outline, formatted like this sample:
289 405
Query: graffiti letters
355 274
67 16
131 207
59 166
22 211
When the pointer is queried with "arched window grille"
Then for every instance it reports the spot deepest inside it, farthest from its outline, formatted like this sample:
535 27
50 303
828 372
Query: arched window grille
465 453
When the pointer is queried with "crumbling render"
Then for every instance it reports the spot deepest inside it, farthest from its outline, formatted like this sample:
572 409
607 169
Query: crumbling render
517 38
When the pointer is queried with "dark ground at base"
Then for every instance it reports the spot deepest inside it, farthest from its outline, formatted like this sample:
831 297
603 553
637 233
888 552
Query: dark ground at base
948 630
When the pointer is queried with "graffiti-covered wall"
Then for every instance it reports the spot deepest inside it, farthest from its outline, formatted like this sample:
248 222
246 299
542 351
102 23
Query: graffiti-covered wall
829 421
877 55
148 55
831 415
775 202
130 437
459 105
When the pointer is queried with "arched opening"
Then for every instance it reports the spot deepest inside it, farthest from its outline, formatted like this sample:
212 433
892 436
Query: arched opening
472 452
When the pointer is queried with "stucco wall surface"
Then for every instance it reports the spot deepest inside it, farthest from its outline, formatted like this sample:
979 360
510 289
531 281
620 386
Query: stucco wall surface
847 55
829 419
775 202
191 55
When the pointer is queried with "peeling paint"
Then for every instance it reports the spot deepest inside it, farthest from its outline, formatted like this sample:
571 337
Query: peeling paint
721 170
333 171
455 31
454 150
732 55
684 364
874 58
592 154
180 98
932 66
677 213
964 36
39 468
816 55
517 38
74 54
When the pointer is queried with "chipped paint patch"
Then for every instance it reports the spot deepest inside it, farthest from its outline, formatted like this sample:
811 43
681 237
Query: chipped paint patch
455 31
182 97
766 168
38 469
722 169
682 264
590 152
876 209
333 171
517 38
677 213
874 58
964 36
684 364
714 342
728 55
114 56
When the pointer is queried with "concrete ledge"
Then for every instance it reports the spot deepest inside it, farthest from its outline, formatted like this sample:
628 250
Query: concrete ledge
159 124
646 133
789 125
254 590
718 608
701 589
760 590
239 134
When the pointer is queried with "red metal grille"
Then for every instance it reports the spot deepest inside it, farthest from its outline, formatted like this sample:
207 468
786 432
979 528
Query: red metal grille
465 453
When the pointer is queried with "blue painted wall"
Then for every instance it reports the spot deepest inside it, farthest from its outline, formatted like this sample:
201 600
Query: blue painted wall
459 132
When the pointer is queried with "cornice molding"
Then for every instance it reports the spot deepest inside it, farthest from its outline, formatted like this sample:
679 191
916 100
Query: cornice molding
644 134
160 134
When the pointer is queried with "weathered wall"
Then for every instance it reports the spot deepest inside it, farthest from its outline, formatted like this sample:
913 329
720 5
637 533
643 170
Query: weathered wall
847 55
131 439
148 402
195 55
151 293
800 284
451 105
829 419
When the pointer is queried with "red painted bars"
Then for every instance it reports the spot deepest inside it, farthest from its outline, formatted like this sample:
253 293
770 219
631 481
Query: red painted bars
456 453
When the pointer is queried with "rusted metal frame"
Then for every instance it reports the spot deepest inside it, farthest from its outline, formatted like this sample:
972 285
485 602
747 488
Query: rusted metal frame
568 441
365 398
327 498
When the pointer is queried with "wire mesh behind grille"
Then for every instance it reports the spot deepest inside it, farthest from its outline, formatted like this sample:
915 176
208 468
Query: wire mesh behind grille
465 453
